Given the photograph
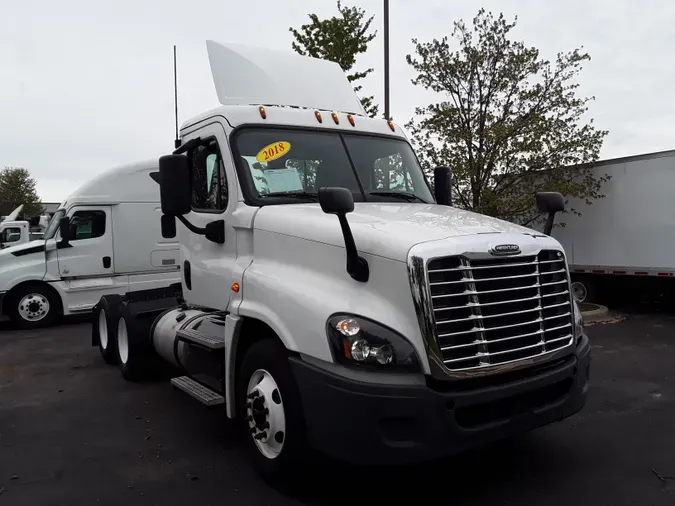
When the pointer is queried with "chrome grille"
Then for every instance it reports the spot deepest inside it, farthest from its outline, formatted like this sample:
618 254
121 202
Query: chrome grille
499 310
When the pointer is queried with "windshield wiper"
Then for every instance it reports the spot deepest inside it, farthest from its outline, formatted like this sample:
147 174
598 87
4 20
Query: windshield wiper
410 197
295 195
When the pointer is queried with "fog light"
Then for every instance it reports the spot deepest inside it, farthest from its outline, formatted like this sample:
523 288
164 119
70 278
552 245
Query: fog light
360 350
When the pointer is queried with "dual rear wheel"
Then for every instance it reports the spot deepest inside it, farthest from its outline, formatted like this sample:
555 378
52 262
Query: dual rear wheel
123 339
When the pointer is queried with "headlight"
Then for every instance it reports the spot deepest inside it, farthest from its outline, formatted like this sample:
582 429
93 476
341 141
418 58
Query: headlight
361 342
578 321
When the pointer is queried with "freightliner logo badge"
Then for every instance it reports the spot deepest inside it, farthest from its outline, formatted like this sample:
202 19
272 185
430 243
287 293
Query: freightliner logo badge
505 249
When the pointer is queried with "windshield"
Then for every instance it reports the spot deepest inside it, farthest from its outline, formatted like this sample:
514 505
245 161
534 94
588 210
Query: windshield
282 162
54 224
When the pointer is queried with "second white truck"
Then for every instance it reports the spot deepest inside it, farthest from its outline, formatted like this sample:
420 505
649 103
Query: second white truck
115 246
328 300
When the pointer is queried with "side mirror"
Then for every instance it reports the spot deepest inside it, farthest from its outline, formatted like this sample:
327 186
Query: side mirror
550 203
340 202
64 229
336 200
175 188
442 182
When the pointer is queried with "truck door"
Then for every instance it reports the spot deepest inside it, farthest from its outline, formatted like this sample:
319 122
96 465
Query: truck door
208 266
91 248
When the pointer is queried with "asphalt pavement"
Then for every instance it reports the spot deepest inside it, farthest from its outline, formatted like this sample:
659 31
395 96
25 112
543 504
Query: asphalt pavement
73 432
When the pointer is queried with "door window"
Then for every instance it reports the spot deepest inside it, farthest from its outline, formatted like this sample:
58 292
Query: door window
209 183
87 225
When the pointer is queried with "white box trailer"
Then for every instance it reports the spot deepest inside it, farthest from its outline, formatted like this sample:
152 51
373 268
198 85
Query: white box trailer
115 247
628 233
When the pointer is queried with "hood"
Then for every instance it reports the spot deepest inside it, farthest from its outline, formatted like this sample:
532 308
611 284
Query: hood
26 248
383 229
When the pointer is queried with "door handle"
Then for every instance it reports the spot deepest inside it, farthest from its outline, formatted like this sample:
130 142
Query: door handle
106 262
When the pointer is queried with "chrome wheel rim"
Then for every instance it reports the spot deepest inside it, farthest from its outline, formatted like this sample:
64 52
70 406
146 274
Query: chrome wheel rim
123 341
265 414
33 307
103 330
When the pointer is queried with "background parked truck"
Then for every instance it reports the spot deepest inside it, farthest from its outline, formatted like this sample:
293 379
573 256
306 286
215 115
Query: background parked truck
115 246
15 231
325 307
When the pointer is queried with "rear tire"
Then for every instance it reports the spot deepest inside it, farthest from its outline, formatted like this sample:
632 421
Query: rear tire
135 357
104 327
269 407
33 306
584 289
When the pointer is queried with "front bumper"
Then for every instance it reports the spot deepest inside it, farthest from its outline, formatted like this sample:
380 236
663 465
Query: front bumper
369 423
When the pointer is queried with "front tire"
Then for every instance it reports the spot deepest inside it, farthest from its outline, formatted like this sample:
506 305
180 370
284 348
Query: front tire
270 413
33 306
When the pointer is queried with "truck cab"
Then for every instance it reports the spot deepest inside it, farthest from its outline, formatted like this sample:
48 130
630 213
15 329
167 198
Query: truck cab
13 233
329 298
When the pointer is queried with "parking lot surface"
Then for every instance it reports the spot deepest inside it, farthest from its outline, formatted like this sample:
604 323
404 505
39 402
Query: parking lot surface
73 432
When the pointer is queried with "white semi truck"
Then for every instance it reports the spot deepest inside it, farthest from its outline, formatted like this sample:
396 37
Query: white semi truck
115 246
325 305
627 237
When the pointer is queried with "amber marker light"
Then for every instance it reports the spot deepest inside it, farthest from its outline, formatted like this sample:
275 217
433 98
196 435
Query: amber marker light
391 125
263 113
351 119
335 118
235 287
317 114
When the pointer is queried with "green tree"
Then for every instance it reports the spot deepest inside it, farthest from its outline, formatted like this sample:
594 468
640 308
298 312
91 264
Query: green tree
339 39
510 123
18 187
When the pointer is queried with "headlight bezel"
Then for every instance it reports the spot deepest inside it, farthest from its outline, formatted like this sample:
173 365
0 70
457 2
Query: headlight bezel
405 357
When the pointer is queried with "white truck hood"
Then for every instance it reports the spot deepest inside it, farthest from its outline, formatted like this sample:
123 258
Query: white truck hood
6 253
383 229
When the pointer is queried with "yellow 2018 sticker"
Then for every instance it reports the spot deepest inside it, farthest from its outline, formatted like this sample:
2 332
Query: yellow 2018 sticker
273 151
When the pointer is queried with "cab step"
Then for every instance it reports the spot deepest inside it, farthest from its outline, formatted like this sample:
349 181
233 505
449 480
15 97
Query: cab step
212 342
200 392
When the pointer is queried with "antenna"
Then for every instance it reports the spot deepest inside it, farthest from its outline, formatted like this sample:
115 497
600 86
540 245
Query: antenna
176 143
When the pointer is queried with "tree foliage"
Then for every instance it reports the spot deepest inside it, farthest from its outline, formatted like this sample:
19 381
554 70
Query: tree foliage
510 123
18 187
339 39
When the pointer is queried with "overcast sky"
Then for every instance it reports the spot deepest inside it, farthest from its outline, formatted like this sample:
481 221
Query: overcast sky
88 85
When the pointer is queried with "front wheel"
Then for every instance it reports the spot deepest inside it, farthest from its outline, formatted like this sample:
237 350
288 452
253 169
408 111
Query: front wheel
33 306
270 413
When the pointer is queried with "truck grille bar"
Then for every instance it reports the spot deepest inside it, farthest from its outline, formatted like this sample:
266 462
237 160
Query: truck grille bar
499 310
